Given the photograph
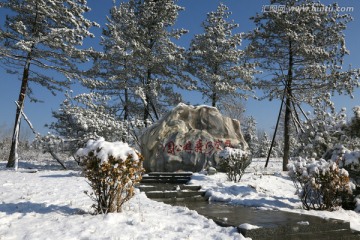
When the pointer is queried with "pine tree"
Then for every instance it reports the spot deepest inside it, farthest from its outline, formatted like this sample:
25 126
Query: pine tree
232 107
264 145
141 62
250 135
114 69
303 50
216 60
323 129
353 128
86 116
42 37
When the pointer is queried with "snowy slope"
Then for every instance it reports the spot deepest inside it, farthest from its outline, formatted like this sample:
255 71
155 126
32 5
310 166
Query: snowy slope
52 205
266 189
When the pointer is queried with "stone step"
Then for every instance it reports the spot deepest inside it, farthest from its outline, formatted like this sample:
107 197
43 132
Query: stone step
170 186
173 174
167 187
146 179
174 194
167 177
183 200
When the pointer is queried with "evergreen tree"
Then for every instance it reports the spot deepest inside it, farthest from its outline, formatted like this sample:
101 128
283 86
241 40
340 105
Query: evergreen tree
85 117
232 107
303 50
216 60
250 135
141 62
353 128
264 145
42 37
322 130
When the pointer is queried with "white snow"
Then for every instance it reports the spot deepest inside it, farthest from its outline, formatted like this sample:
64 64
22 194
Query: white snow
103 149
52 205
48 204
248 226
303 223
267 189
228 152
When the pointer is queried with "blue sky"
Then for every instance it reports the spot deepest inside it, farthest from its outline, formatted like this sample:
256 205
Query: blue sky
265 112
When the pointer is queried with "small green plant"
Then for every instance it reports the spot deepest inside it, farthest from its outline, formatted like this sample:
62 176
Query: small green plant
234 162
321 184
111 176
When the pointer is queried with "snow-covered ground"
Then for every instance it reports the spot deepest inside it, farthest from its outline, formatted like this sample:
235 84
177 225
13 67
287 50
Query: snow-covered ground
50 204
267 189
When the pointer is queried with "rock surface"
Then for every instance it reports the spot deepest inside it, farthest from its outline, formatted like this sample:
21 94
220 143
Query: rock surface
189 138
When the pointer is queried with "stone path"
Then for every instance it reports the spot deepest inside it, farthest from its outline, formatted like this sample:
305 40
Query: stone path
273 224
171 188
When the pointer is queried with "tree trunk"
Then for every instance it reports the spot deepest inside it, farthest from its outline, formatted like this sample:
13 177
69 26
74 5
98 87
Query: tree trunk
13 157
147 98
214 93
53 154
213 98
287 120
126 105
287 123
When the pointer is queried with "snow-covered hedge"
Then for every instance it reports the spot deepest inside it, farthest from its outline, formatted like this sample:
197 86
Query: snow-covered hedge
321 184
346 158
234 161
112 168
103 150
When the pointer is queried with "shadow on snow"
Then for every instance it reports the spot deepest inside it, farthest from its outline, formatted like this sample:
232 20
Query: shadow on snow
41 208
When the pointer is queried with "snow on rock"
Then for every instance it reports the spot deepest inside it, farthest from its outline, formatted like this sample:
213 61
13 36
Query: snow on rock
189 138
103 149
304 223
248 226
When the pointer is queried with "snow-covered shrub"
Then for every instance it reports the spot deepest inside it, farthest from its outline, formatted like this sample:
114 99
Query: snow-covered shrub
347 159
344 157
322 131
112 170
321 184
234 162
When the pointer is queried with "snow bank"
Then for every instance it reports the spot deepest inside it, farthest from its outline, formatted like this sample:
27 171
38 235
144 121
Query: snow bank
52 205
103 149
273 191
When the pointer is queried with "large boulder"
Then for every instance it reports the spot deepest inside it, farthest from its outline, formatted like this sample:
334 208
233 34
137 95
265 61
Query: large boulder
189 138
